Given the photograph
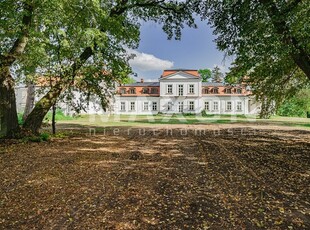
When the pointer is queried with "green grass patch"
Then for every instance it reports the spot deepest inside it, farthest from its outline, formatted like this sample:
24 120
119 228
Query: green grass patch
39 138
164 119
60 116
134 120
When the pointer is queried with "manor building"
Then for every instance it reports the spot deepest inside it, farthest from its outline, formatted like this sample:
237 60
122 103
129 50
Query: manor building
177 91
182 91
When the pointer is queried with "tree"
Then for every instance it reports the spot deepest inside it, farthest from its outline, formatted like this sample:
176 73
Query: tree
297 106
29 100
13 40
205 74
217 75
269 40
74 36
129 80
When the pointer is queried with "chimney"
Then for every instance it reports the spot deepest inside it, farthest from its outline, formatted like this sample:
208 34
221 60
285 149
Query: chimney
142 80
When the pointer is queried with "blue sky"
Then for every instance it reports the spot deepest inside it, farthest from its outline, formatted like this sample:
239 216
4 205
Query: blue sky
195 50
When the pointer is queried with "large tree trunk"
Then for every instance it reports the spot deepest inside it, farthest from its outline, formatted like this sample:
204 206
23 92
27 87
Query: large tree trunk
29 100
8 115
35 118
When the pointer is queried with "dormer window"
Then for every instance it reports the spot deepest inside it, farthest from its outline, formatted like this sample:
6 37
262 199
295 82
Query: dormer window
239 91
215 90
154 91
228 90
122 91
205 91
145 90
132 91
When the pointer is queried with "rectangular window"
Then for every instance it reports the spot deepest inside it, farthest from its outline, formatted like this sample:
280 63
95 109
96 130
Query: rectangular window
154 106
191 89
228 91
191 106
180 90
169 89
145 106
169 106
145 90
215 106
132 91
132 106
123 106
181 107
228 106
239 105
215 90
154 91
207 106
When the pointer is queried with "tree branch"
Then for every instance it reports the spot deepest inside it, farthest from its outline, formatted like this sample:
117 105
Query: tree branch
21 42
122 7
299 55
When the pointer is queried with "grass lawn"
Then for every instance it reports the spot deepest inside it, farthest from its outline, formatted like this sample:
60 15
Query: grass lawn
142 120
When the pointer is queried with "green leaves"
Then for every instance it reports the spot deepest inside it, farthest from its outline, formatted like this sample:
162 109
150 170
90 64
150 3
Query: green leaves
298 105
270 40
205 74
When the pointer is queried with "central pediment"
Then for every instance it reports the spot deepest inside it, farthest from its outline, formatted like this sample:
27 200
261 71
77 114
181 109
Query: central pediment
180 75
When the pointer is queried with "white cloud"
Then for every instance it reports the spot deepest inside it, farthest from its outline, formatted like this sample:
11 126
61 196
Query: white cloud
148 62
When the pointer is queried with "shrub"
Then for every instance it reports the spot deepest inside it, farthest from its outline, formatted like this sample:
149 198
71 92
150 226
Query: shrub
204 113
297 106
33 139
44 136
188 114
60 135
40 138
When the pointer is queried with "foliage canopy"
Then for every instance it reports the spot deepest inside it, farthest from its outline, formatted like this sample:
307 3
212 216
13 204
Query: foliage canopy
88 39
205 74
270 41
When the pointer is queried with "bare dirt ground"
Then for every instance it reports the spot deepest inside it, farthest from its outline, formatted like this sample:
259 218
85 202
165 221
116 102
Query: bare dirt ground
121 178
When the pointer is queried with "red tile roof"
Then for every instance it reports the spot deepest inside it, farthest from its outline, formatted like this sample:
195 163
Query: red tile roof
173 71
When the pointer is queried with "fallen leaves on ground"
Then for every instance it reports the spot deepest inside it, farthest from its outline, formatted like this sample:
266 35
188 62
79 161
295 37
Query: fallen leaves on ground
163 181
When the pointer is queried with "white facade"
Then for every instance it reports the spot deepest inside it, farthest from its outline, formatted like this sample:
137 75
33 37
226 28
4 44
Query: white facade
181 92
92 107
176 92
136 105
